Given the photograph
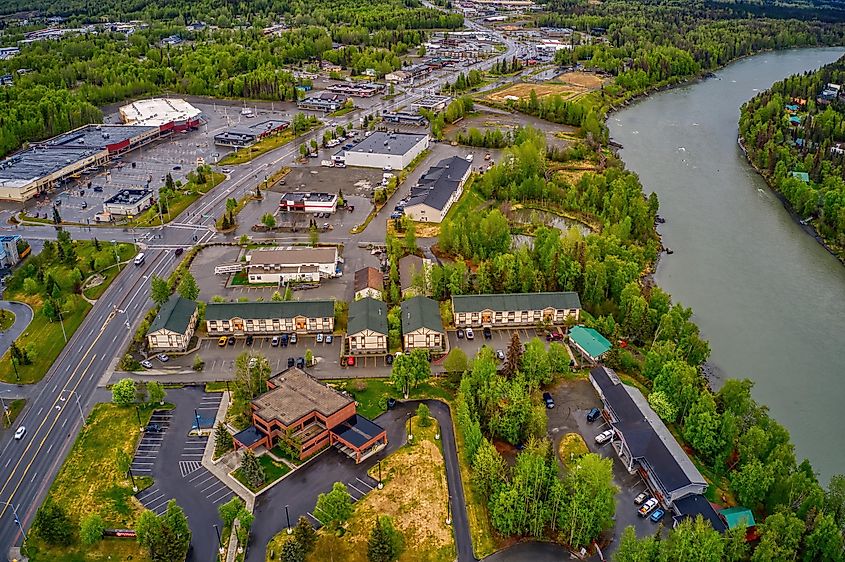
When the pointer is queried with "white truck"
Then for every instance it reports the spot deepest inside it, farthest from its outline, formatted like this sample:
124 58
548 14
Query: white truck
327 163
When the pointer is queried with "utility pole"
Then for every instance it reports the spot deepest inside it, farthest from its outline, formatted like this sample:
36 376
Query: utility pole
116 257
17 519
78 405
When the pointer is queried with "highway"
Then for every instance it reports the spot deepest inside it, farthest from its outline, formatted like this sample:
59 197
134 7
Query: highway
52 415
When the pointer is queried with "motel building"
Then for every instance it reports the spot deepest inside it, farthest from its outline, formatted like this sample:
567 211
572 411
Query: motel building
310 417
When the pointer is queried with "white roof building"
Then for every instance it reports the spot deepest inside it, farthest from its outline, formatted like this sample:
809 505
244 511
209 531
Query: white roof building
158 112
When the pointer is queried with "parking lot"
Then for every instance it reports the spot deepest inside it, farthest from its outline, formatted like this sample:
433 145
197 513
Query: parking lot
221 360
573 400
173 458
500 339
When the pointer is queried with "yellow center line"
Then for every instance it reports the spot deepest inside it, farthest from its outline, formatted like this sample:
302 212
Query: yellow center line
41 444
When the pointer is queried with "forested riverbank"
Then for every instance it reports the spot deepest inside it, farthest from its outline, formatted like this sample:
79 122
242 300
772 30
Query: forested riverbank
792 134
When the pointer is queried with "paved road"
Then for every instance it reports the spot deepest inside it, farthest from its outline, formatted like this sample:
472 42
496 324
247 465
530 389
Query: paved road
23 316
300 490
28 466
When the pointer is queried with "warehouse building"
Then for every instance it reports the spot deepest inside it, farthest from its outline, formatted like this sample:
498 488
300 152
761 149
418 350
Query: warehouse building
269 318
392 151
128 202
432 103
404 118
293 264
247 135
364 90
308 202
515 309
436 191
52 163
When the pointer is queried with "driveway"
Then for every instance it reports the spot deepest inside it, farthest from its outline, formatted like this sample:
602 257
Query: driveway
23 316
173 459
300 490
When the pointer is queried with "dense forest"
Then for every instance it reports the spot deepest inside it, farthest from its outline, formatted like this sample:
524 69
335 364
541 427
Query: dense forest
63 81
790 130
650 44
746 454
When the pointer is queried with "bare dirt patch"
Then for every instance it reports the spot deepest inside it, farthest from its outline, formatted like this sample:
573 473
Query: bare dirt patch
583 80
523 91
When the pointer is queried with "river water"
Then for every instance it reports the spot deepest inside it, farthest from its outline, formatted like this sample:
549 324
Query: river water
767 296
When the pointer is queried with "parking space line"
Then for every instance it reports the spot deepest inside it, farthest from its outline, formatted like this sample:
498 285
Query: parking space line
211 495
202 473
203 481
364 483
213 484
311 515
159 505
224 499
356 489
147 493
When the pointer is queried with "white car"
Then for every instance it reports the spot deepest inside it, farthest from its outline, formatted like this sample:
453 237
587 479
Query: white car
469 333
604 437
21 431
500 355
163 358
147 364
319 338
647 507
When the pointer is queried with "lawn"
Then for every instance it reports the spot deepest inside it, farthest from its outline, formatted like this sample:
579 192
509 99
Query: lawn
272 471
43 337
126 252
7 318
90 482
372 394
184 196
15 407
418 511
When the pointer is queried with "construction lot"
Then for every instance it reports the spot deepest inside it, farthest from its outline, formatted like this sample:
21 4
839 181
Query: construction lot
570 86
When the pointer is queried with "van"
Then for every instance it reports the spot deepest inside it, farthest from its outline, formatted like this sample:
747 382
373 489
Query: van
139 259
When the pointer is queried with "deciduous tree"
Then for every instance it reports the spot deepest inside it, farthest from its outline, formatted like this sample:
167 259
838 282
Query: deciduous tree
334 507
123 392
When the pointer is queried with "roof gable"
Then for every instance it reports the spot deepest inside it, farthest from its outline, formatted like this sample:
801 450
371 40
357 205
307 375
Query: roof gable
421 312
174 315
367 314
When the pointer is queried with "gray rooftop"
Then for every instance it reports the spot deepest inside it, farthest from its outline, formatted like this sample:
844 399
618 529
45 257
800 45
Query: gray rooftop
128 196
421 312
388 143
516 301
439 183
408 267
252 130
367 314
269 310
174 315
296 395
98 136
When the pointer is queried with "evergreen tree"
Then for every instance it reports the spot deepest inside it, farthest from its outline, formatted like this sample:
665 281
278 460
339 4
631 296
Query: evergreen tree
252 469
385 543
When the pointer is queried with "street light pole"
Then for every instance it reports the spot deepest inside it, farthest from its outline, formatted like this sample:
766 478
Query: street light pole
78 405
138 412
132 477
287 515
380 483
116 257
17 519
449 510
219 541
197 416
410 435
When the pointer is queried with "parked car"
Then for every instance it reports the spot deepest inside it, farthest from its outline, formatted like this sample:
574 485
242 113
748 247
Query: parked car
275 342
604 437
231 340
389 360
350 361
647 507
249 339
221 342
329 338
285 339
319 338
488 333
460 333
19 433
291 362
163 357
500 355
641 498
593 415
179 251
147 364
98 189
657 515
300 362
396 214
177 167
153 428
470 334
547 398
293 339
554 336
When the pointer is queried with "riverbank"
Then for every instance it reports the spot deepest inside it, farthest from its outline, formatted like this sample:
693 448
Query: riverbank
804 225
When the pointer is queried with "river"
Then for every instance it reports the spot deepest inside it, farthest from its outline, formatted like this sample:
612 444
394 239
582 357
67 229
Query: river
767 296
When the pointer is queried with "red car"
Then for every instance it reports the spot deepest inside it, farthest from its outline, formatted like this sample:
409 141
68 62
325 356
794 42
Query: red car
350 361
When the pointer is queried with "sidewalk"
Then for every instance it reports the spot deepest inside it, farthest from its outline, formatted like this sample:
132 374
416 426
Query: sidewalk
228 462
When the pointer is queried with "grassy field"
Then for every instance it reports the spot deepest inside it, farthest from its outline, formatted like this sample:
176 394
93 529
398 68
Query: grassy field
372 394
272 471
418 511
185 195
90 482
43 336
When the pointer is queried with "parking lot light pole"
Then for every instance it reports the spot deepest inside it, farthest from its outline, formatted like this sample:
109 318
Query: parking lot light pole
78 405
287 515
380 483
132 477
116 256
197 416
17 519
449 510
410 435
219 541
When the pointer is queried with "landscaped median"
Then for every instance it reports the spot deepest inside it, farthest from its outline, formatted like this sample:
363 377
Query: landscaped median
93 482
51 284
